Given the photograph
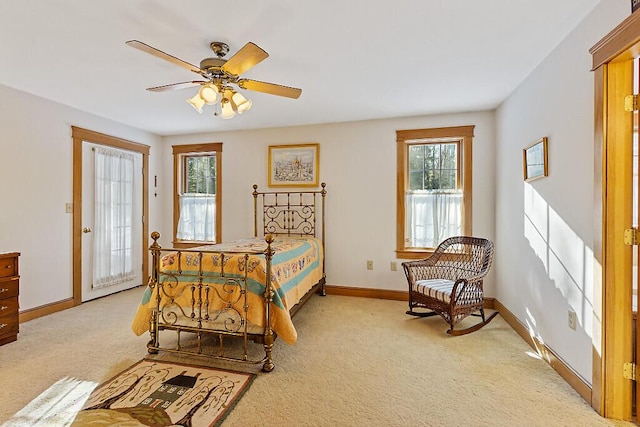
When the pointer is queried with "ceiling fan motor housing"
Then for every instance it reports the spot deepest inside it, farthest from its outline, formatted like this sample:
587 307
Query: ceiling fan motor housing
219 48
212 65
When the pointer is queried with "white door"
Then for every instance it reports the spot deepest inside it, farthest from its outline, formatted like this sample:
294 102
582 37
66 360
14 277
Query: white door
94 284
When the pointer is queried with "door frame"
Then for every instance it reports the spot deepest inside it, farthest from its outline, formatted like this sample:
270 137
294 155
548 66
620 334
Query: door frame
612 337
79 135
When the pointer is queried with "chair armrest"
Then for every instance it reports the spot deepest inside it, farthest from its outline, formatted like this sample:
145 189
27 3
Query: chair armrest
467 285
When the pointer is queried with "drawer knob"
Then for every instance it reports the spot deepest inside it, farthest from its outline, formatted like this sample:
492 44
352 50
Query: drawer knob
3 290
7 266
2 325
3 308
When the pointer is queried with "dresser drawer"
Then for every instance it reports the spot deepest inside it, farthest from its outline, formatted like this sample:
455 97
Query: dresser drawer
9 288
8 308
9 328
8 267
8 317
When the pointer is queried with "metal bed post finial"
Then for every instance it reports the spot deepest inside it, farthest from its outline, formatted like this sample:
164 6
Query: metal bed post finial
323 192
268 299
255 210
154 282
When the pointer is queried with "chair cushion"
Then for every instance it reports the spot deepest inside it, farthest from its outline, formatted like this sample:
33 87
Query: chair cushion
439 289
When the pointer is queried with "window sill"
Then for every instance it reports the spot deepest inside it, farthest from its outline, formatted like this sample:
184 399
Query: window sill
413 253
182 244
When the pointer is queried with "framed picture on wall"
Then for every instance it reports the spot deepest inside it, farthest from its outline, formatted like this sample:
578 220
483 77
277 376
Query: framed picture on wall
293 165
534 158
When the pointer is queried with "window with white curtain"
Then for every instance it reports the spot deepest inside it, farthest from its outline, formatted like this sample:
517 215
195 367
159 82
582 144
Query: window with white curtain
197 203
434 185
113 200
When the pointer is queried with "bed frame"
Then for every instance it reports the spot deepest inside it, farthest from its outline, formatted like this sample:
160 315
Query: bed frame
281 213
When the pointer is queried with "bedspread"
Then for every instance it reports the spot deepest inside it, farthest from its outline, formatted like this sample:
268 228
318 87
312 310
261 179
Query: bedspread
295 268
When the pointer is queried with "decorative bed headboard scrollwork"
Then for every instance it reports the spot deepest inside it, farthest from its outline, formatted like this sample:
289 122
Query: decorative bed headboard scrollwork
290 213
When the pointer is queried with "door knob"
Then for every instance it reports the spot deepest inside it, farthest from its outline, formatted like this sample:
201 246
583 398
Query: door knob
86 230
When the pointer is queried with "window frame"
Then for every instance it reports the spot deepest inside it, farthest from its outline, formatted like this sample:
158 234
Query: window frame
179 174
406 138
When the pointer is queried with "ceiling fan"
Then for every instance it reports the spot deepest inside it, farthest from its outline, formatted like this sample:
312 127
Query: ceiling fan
219 77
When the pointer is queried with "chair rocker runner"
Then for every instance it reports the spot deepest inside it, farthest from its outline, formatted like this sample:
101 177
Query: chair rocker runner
450 281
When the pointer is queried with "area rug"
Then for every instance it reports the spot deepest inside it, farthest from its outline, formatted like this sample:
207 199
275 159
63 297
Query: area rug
158 393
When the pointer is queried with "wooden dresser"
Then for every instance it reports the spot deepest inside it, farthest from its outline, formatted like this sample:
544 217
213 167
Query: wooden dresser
9 289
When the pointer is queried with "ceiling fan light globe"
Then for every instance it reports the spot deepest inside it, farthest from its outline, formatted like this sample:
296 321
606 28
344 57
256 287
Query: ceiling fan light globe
196 102
227 110
209 94
242 103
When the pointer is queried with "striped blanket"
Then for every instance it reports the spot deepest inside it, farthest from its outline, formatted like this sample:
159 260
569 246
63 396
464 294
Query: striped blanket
296 266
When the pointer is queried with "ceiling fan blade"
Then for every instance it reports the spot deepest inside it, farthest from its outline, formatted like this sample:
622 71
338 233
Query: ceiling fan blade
176 86
270 88
244 59
160 54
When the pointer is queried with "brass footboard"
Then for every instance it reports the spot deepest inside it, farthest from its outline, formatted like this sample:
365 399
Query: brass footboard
211 304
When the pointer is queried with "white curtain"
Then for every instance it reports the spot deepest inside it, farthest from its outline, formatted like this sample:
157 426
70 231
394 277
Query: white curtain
113 217
197 221
432 216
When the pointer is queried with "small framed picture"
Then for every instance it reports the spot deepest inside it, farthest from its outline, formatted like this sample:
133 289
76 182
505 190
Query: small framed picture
293 165
534 158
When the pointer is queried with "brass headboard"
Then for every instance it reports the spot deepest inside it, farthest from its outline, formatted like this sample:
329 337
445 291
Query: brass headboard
290 213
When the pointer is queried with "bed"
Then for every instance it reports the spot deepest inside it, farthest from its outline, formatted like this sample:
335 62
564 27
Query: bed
219 300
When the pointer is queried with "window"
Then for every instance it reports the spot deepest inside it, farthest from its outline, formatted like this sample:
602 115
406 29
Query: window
197 203
434 188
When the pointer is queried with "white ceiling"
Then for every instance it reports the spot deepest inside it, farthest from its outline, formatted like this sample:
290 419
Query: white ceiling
353 59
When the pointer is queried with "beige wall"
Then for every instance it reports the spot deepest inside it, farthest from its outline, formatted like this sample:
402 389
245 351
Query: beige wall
358 163
544 260
36 170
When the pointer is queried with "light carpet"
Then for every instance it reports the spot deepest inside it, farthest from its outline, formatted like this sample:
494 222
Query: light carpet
357 362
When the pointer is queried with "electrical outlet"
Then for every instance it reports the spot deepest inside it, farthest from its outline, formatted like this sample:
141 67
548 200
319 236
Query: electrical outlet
68 207
573 320
394 266
369 265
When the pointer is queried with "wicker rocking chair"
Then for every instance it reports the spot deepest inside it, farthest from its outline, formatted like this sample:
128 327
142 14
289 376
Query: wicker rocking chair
450 281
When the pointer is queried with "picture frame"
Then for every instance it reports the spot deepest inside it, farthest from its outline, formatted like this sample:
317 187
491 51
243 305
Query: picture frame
535 160
293 165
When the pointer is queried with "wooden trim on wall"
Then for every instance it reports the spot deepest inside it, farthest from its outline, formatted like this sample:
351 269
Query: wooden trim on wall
34 313
463 134
401 160
443 132
612 60
177 150
617 329
621 44
78 136
547 354
599 183
112 141
77 220
349 291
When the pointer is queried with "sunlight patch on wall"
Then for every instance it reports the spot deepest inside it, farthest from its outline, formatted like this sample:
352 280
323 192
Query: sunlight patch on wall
566 259
536 224
536 339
